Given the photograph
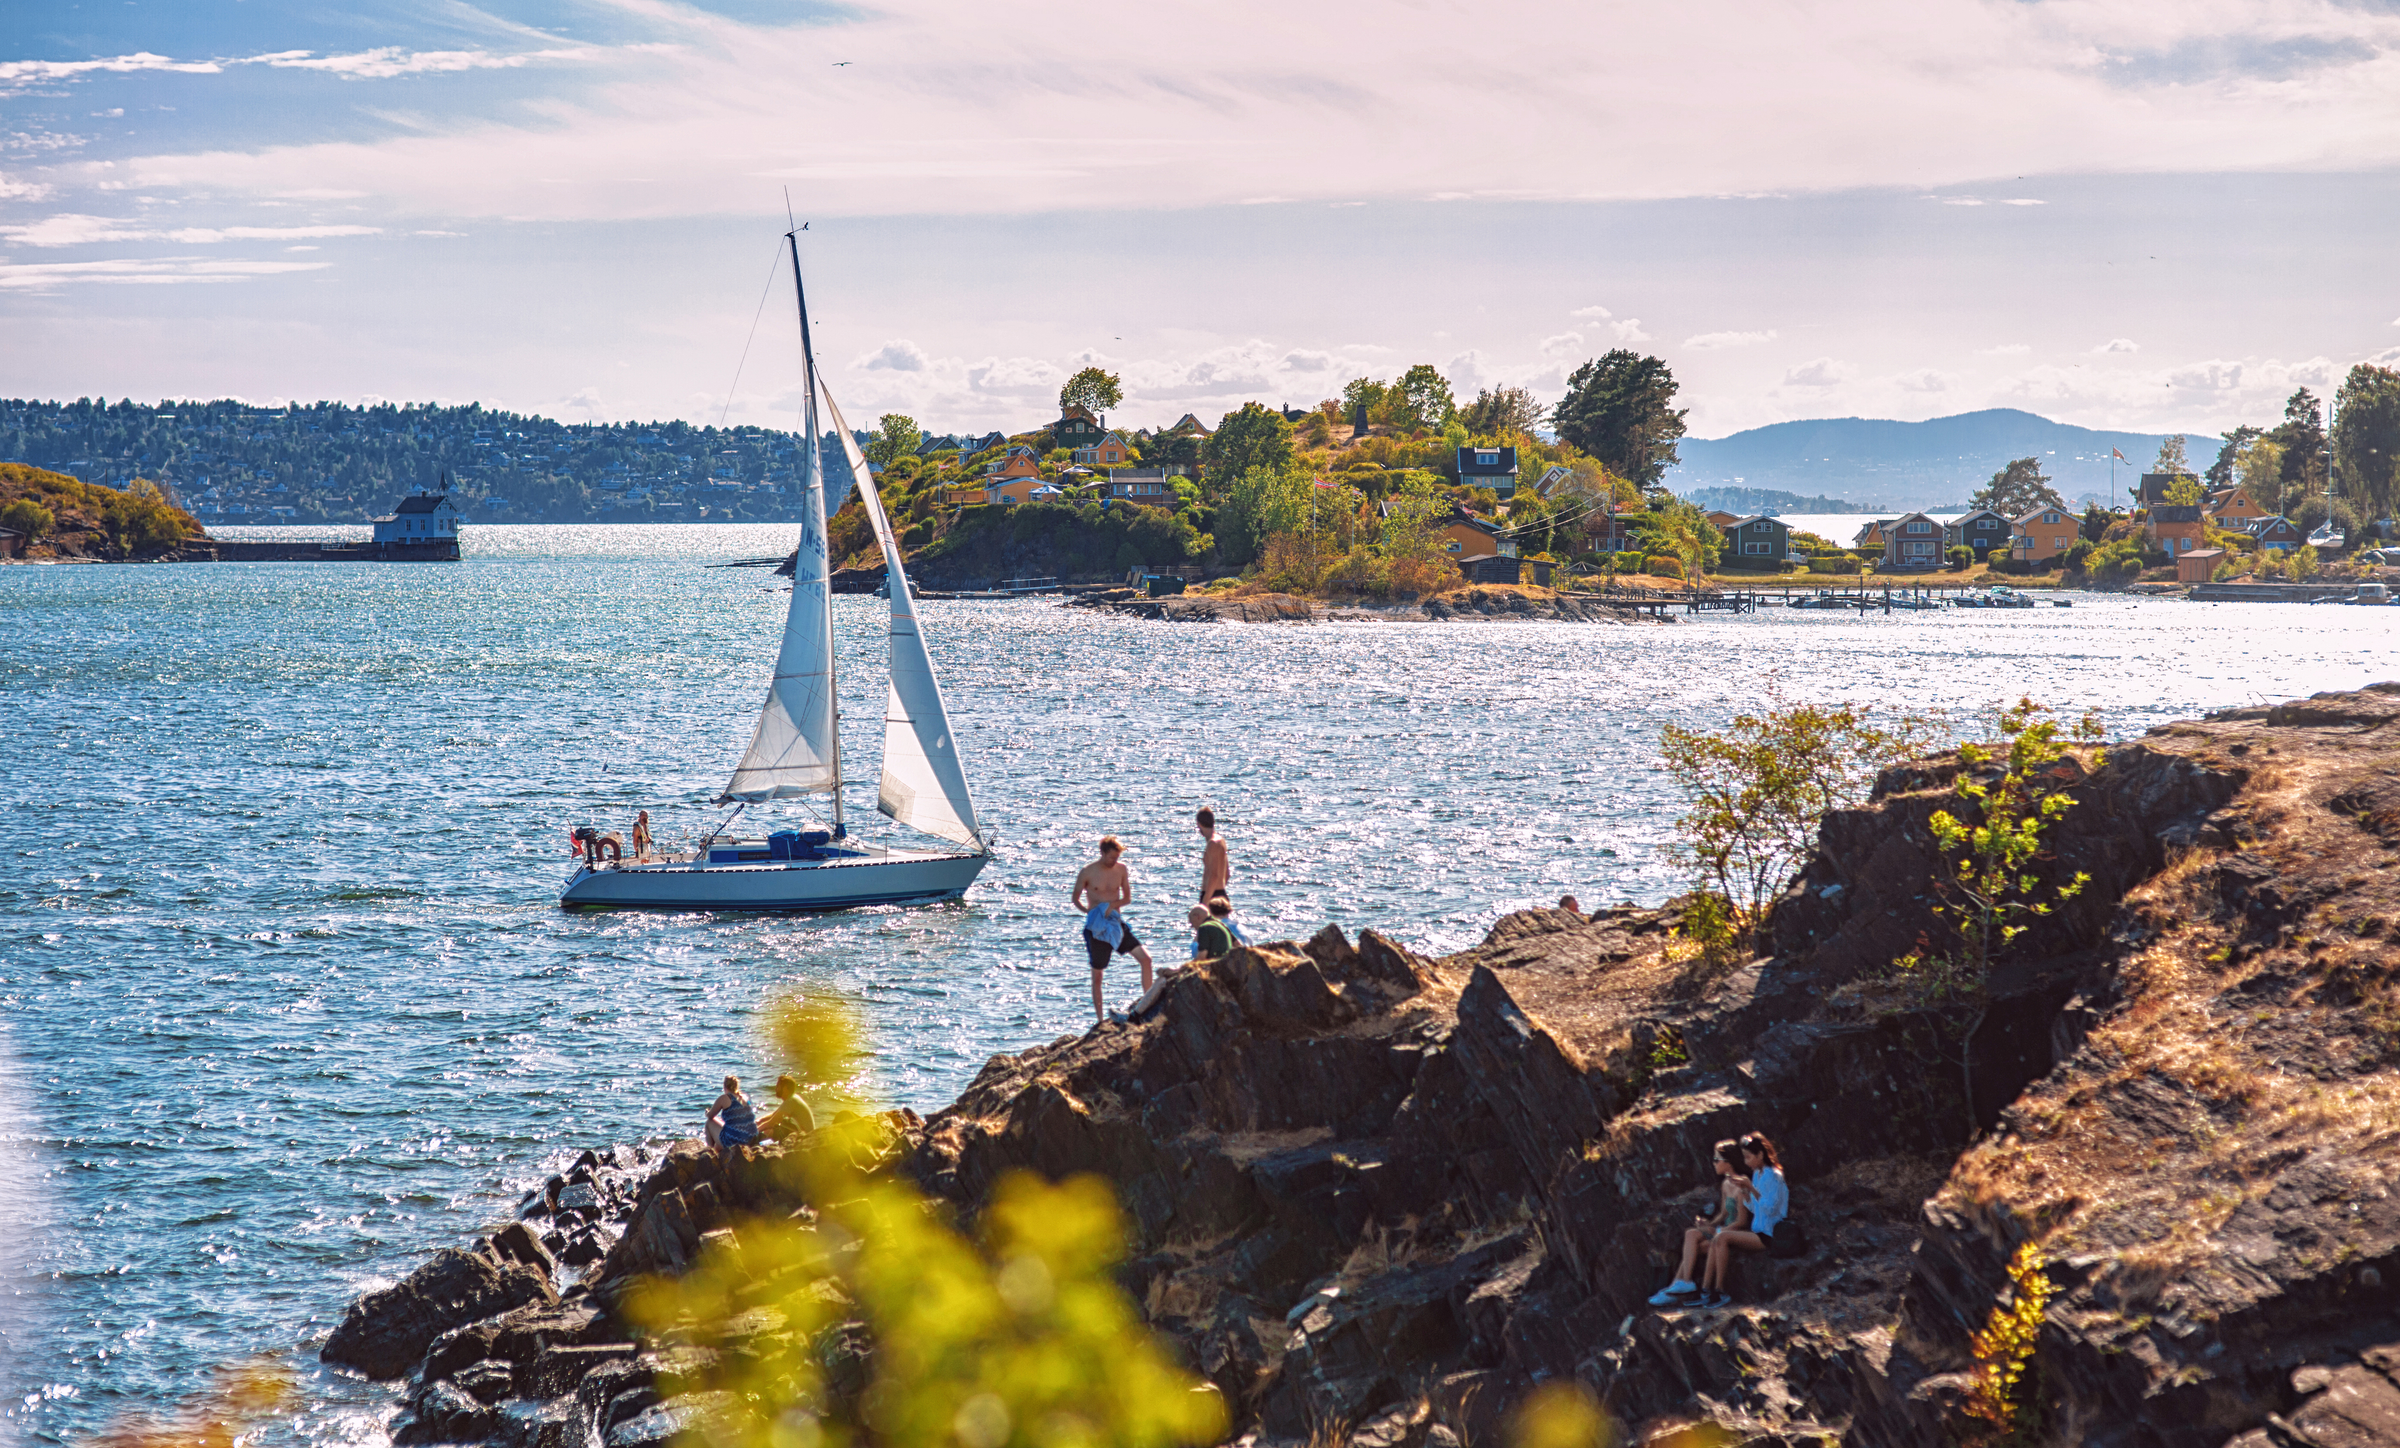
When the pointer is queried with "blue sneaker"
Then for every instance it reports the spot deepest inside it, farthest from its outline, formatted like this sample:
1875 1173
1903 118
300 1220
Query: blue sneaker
1675 1294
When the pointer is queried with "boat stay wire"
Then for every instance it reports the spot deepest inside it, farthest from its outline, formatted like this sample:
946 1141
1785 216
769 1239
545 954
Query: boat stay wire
774 265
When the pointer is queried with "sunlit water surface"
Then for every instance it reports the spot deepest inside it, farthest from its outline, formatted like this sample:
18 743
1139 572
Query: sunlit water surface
288 1000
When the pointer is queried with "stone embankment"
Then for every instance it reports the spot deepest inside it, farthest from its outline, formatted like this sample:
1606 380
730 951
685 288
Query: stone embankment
1377 1197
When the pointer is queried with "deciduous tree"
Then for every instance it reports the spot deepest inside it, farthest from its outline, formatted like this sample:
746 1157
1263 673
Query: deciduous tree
1498 412
1420 401
1620 409
1252 436
1093 389
896 435
1259 504
2018 489
2095 523
2171 458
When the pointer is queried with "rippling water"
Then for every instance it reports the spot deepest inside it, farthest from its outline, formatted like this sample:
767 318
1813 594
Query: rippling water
288 1000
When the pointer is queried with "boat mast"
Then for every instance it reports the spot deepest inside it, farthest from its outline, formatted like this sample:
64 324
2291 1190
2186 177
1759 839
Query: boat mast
816 468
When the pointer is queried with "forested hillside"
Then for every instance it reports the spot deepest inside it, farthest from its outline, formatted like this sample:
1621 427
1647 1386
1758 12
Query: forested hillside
231 463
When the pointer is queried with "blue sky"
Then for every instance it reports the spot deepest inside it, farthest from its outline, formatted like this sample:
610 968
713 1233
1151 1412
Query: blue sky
2120 213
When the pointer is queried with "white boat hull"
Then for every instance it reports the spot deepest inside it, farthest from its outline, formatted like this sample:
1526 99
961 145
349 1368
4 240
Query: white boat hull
879 877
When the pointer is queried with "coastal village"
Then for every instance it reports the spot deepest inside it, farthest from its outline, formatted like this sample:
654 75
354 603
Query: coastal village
1395 489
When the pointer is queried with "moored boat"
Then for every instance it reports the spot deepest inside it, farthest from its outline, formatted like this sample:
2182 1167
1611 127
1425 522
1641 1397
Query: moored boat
795 749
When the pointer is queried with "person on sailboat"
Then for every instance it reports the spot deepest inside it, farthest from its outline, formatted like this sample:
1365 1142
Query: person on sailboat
1102 891
641 834
1216 867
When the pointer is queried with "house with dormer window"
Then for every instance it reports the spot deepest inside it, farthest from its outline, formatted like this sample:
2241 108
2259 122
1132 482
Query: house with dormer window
1489 467
1110 451
1913 543
2043 533
1077 428
1982 530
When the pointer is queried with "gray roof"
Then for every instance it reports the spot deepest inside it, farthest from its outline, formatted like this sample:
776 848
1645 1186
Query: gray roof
421 503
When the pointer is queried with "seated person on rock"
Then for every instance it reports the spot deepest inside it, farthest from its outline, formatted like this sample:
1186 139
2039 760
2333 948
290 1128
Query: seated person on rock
731 1122
1733 1211
1222 908
1210 938
1771 1229
792 1117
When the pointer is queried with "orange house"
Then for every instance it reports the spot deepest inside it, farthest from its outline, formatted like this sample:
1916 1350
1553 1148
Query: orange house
2231 508
1722 520
1466 536
1013 478
2044 533
1109 452
2176 530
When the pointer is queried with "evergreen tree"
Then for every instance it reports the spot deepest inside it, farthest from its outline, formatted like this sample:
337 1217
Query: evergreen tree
2366 440
1620 410
2302 438
2018 489
1252 436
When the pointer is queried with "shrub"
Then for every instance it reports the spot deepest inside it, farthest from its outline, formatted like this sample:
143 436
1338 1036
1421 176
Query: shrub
1961 557
1662 567
1835 563
29 518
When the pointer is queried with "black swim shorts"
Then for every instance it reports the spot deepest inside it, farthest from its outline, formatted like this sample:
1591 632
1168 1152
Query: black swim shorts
1099 949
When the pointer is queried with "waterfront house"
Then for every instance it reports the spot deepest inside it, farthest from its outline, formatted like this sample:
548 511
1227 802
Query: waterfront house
1758 542
1489 467
2176 528
2277 533
1982 530
2233 508
1466 536
1549 481
1873 537
1912 543
421 519
1613 531
1721 520
1188 426
1077 428
1109 452
2043 533
2199 565
2153 491
1150 487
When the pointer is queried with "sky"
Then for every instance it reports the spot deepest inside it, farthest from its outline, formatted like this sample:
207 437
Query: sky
2154 215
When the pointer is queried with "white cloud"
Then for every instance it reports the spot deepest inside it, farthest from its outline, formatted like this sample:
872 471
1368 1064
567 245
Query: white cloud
75 229
1592 314
1923 379
2005 349
14 190
1876 93
1714 341
1565 344
1823 372
894 356
49 276
2023 201
2116 345
384 62
1629 331
1303 360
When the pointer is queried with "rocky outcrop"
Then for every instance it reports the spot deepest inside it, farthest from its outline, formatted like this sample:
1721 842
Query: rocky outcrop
1465 603
386 1332
1377 1197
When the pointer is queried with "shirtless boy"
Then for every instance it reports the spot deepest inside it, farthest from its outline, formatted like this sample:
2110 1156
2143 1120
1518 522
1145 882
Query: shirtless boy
1102 890
1216 868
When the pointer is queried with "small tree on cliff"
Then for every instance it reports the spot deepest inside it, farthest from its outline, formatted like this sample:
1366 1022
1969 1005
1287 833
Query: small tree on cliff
1759 789
1989 847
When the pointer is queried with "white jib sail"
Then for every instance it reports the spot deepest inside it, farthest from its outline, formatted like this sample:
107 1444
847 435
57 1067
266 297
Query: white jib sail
795 749
924 785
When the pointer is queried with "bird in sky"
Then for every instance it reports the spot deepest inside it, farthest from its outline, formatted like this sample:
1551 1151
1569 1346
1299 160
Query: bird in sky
837 65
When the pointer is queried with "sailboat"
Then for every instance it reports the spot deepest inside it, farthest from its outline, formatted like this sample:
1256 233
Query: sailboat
795 751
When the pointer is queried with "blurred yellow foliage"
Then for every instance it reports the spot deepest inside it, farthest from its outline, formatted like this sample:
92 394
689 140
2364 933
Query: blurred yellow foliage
1021 1337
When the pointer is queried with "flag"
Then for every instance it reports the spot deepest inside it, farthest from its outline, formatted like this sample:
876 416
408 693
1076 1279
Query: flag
2120 457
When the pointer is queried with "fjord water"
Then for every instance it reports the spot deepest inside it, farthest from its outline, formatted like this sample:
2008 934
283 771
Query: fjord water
287 1001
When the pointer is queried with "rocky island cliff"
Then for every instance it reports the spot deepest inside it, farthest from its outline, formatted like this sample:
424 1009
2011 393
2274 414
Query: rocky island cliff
1378 1197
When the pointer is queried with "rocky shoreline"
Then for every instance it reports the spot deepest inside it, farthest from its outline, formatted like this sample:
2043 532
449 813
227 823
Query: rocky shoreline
1497 604
1378 1197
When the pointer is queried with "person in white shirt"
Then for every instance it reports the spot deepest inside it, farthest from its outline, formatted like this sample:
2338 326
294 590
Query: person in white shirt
1770 1208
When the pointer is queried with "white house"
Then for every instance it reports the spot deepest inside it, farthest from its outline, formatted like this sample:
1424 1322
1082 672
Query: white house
420 518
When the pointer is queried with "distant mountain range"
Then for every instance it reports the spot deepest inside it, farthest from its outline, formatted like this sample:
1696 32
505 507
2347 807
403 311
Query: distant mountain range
1751 501
1882 466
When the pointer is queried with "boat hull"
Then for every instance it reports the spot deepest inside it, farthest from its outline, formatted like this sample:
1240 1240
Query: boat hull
898 877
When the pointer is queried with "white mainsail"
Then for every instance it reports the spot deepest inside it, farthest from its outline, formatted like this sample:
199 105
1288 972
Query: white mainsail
924 785
796 748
